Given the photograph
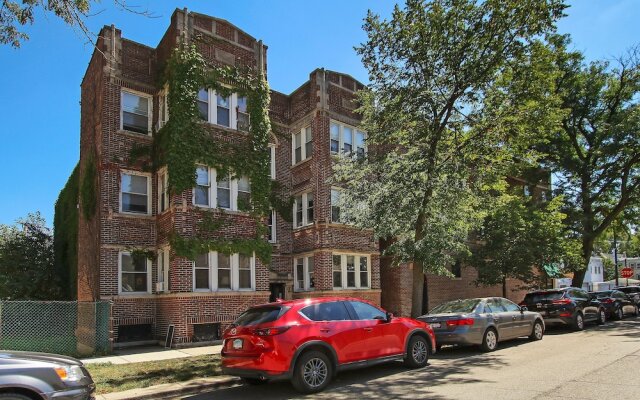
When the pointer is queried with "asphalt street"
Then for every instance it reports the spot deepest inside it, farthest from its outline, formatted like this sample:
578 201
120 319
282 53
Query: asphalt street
601 362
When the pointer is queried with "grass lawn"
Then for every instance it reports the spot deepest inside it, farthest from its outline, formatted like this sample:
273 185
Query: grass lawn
118 377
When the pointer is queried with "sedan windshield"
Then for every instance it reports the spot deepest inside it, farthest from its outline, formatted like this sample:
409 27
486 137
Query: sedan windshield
458 306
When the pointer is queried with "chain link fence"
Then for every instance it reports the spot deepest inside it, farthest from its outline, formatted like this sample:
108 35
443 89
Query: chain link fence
62 327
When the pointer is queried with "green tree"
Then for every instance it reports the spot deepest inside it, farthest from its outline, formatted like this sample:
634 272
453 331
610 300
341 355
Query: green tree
434 149
518 238
26 261
596 155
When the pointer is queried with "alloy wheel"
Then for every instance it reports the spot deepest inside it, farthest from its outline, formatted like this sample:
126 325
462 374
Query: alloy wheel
492 340
579 321
315 372
537 331
619 314
603 316
419 352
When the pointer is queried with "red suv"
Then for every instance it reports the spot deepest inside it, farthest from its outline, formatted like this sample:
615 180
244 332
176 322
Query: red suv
309 340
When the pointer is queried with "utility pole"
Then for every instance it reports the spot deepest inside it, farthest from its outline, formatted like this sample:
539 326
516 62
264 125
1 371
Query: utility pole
615 254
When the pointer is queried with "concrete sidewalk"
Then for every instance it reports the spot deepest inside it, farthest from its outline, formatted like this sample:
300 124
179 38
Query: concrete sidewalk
155 353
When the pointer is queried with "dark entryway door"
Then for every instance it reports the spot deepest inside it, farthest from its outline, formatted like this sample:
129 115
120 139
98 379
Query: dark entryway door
277 291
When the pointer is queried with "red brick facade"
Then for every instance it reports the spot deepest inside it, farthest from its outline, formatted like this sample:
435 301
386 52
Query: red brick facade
122 64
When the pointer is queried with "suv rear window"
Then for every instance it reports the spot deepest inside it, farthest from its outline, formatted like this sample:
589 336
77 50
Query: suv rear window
543 296
602 295
260 315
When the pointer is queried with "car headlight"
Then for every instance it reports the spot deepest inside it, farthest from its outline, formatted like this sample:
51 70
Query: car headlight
70 374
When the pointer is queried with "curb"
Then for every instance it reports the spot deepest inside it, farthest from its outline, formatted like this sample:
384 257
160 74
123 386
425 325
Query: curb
172 390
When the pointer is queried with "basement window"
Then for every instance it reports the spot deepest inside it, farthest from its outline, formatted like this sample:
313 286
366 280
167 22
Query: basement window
206 332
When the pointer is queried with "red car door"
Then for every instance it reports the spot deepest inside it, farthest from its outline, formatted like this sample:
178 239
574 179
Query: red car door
381 338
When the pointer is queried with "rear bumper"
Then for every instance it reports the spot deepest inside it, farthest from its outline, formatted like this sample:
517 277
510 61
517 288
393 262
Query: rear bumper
558 320
256 374
467 337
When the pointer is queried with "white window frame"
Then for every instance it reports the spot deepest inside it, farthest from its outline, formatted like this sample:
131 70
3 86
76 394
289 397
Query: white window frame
213 109
303 145
149 110
272 164
343 264
213 191
234 259
163 182
354 148
306 276
163 107
305 222
164 263
148 273
339 191
274 236
149 193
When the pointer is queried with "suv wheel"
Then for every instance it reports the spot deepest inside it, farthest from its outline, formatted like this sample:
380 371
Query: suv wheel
578 322
490 340
537 332
635 311
418 352
619 314
312 372
602 317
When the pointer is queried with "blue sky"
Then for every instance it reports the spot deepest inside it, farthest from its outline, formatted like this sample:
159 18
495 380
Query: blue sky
40 82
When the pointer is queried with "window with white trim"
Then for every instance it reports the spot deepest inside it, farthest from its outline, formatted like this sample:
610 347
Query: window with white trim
351 271
215 271
163 107
135 112
230 111
134 273
163 191
302 145
272 152
135 190
213 190
163 270
271 225
303 210
347 140
303 271
335 205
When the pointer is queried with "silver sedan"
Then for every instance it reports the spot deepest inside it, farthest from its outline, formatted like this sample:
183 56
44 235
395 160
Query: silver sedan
483 321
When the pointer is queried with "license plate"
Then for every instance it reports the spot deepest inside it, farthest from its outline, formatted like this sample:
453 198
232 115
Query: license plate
435 324
237 344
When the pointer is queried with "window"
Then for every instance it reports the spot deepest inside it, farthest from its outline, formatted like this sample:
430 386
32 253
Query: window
304 279
345 274
223 107
494 306
213 190
367 311
163 271
271 224
135 112
335 205
329 311
135 274
272 151
163 106
509 306
203 104
215 271
242 115
163 191
303 210
343 138
302 145
134 193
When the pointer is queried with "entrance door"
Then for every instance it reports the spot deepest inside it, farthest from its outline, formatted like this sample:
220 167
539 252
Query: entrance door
277 291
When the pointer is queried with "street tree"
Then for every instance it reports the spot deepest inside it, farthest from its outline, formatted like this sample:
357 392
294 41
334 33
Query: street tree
435 132
596 155
26 261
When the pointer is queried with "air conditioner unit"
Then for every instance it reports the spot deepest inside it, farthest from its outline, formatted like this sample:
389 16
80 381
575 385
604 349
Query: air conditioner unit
159 287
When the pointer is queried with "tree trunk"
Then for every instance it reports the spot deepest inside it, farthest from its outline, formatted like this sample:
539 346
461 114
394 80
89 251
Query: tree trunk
418 287
504 287
587 250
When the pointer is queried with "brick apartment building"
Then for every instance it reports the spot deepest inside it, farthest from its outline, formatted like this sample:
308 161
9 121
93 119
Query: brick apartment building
123 105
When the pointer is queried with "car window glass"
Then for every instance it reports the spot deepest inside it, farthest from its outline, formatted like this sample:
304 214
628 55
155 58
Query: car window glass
331 311
508 305
367 311
537 297
495 306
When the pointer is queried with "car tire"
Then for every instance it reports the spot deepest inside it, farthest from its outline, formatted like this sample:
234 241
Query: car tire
618 313
417 352
578 322
254 381
14 396
312 373
489 340
602 317
537 332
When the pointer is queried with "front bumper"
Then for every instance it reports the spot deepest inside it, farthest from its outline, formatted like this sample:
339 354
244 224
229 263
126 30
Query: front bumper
77 393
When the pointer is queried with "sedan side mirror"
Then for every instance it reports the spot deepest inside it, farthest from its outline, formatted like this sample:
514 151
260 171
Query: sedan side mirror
523 309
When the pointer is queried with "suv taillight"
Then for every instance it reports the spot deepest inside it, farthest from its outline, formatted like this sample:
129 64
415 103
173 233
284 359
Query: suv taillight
561 301
607 301
460 322
271 331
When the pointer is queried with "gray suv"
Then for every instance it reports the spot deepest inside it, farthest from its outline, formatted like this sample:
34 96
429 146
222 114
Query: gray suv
41 376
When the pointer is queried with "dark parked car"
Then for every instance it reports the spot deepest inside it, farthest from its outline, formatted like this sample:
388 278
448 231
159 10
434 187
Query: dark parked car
616 303
309 340
632 291
41 376
567 306
483 322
